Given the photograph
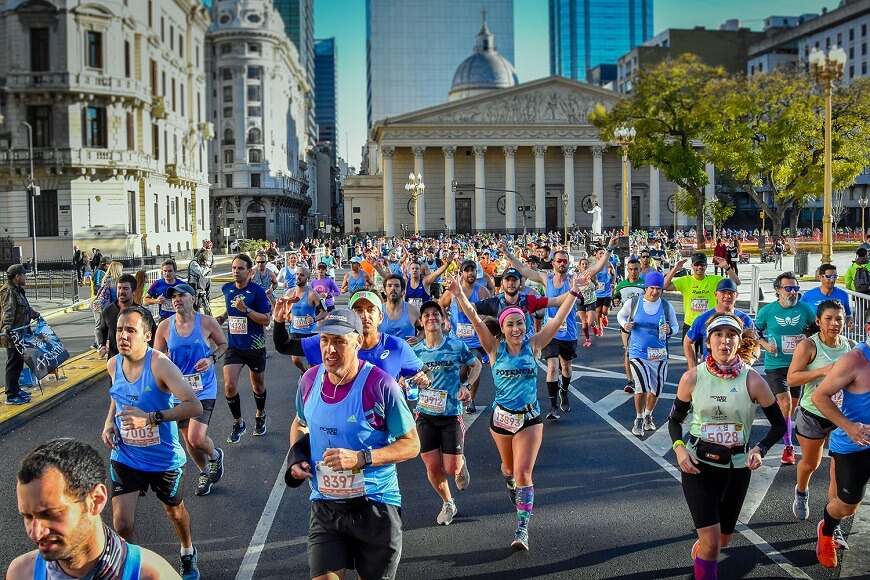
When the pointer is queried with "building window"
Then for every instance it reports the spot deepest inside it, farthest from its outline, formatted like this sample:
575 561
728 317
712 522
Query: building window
155 141
175 209
46 208
226 48
228 112
254 47
851 34
171 37
255 156
228 180
153 67
94 127
40 119
254 112
132 200
39 52
182 97
228 156
255 136
254 73
863 49
227 74
255 180
181 46
173 95
229 139
168 215
864 68
356 210
228 94
127 57
94 48
150 13
863 30
254 93
186 216
131 132
156 216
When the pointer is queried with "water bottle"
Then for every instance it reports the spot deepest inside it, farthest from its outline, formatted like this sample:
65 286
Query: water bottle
411 391
662 322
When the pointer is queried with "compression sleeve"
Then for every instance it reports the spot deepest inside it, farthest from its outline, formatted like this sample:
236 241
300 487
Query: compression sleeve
679 412
777 427
283 343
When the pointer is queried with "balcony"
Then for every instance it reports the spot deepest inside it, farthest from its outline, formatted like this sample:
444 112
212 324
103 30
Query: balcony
79 159
93 83
158 107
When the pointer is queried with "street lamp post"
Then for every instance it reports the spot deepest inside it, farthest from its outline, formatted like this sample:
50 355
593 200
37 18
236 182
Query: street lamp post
625 137
827 68
863 202
33 191
565 215
415 188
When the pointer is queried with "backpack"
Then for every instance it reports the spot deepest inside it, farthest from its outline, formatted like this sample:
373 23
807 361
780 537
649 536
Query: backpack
635 304
103 297
862 280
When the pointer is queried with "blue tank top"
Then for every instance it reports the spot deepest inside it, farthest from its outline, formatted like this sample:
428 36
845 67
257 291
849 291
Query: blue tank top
516 379
303 313
416 296
151 448
263 280
354 284
856 408
568 329
460 325
400 328
433 267
131 570
335 428
605 278
644 342
185 351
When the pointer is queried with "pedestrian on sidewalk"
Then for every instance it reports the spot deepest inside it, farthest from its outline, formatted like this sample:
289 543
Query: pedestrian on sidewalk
15 312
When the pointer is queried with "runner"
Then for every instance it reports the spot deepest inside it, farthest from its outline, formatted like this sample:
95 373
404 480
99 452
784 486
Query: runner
516 424
587 308
61 495
287 276
633 285
726 298
325 286
434 264
724 394
606 281
185 336
106 333
247 310
306 306
827 290
157 291
439 410
649 320
415 289
400 318
356 279
783 323
813 359
267 280
141 431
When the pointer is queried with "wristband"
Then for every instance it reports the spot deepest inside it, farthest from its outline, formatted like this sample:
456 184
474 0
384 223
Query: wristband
678 443
609 249
576 294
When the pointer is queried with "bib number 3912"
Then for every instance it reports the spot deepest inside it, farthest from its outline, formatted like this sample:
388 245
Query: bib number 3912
340 484
504 419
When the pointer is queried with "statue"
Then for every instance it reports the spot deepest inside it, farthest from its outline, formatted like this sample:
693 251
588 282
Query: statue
596 218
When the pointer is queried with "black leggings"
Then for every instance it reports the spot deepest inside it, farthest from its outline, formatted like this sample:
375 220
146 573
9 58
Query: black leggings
715 496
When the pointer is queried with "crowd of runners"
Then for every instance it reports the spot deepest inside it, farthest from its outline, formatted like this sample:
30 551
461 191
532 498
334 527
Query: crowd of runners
391 376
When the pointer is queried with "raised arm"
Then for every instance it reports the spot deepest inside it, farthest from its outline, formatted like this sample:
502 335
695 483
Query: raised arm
604 260
487 340
669 278
527 272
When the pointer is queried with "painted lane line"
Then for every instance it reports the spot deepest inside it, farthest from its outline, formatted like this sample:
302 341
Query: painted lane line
760 482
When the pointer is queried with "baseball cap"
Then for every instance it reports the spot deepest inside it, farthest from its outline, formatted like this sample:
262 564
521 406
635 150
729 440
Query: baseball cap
726 285
356 260
512 272
180 288
322 265
466 264
431 304
699 257
722 321
371 297
15 269
340 321
654 280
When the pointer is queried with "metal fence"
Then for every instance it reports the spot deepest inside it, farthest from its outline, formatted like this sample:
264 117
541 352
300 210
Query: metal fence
859 304
48 285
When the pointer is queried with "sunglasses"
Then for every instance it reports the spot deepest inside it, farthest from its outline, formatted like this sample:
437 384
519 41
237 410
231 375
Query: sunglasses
791 288
560 261
259 262
830 276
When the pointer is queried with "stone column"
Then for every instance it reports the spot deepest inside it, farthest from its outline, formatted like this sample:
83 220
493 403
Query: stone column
540 188
510 184
449 194
389 203
480 187
655 219
568 154
598 180
421 201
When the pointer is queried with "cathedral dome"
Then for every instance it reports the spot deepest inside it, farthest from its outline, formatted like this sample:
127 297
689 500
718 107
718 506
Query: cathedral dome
484 70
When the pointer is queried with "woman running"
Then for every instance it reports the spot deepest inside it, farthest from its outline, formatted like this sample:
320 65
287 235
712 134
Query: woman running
516 423
813 359
723 394
439 406
586 312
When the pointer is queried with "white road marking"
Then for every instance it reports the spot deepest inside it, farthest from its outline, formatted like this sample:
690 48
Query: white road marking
760 482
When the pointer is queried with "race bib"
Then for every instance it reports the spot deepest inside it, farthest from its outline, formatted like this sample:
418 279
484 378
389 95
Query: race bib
142 437
337 484
727 434
302 322
238 324
432 401
700 305
195 382
789 343
510 422
654 354
416 302
464 330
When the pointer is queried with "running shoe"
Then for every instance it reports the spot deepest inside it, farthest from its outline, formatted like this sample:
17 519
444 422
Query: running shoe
17 400
801 505
826 549
648 424
840 538
470 408
604 322
587 342
216 467
521 539
512 492
564 403
788 455
552 414
695 547
24 393
629 387
204 485
260 425
188 569
239 429
638 427
463 478
448 511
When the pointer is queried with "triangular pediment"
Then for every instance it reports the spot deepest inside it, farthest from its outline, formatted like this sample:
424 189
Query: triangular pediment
554 101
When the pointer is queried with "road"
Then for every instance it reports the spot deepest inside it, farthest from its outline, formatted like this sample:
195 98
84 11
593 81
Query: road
608 505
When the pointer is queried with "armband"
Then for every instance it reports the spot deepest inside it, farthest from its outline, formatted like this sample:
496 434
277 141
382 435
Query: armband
679 411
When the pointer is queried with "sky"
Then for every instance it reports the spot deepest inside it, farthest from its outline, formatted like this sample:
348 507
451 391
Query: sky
345 20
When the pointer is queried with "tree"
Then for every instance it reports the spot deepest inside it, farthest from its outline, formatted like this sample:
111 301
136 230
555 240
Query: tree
718 210
664 108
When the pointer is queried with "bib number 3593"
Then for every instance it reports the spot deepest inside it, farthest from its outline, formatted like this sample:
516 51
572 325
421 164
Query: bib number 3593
504 419
340 484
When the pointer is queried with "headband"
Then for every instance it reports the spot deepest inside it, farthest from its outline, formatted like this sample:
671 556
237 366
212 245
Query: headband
512 310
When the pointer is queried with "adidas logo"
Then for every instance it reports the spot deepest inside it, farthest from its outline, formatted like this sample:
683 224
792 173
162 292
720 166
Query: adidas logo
733 389
147 389
351 419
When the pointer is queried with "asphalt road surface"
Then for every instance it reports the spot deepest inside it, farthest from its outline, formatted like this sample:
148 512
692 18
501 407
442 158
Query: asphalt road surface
607 505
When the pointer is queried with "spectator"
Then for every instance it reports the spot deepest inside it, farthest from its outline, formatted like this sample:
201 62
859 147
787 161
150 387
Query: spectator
855 280
15 312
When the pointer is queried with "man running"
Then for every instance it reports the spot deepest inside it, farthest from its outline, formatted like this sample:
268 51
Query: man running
827 290
726 298
306 306
287 276
61 495
106 335
633 285
185 337
247 310
141 431
265 279
157 291
401 318
356 279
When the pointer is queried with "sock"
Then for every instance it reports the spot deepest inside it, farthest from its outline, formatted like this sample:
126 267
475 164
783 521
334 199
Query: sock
552 387
187 551
646 413
525 502
260 400
509 479
586 332
235 404
787 437
830 523
566 382
640 415
706 570
799 492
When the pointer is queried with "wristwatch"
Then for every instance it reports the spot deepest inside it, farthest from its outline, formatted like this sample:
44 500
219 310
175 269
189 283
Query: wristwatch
367 455
158 417
214 358
466 384
247 310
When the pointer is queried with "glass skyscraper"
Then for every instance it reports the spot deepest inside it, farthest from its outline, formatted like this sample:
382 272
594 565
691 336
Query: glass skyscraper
585 34
325 88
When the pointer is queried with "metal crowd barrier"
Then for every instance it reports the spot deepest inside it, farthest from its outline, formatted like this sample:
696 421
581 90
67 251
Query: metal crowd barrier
859 304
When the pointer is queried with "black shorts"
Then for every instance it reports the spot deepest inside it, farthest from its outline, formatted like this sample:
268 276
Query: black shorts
254 358
588 307
435 290
355 534
529 420
566 349
166 484
444 432
715 495
606 301
811 426
204 417
852 471
776 380
497 281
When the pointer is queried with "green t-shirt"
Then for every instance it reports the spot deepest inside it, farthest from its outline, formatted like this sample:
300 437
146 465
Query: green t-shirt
825 355
627 290
699 296
782 326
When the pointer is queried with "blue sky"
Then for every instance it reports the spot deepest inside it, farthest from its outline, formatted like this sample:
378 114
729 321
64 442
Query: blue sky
345 20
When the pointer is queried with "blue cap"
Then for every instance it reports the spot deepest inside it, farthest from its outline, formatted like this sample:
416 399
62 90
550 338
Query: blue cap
512 272
726 285
654 280
179 288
